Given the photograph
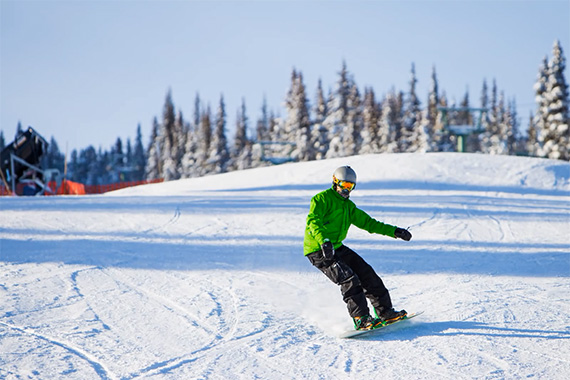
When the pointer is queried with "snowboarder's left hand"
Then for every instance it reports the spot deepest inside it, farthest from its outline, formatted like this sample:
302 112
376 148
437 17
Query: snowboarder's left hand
403 234
328 250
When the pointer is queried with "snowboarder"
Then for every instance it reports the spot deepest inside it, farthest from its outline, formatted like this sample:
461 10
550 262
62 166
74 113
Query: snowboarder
330 216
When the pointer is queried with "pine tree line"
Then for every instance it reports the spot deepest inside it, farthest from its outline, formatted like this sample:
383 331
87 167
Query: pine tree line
342 122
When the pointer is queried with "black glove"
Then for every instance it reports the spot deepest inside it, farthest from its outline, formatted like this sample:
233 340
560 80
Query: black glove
328 250
403 234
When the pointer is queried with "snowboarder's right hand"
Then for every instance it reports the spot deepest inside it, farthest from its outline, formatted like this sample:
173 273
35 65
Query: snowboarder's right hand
403 234
328 250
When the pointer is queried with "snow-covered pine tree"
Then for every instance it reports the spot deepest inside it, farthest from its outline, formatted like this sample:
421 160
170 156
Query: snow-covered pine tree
197 113
297 125
128 174
532 145
419 138
354 123
262 134
139 158
336 120
513 133
556 132
390 121
540 122
274 126
181 128
485 119
399 120
218 158
168 140
411 115
433 128
287 132
400 126
242 149
153 169
262 127
415 120
169 167
117 161
304 151
499 141
493 140
319 133
188 165
204 139
371 120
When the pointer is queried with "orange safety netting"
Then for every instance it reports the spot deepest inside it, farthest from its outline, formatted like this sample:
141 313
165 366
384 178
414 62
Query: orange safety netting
75 188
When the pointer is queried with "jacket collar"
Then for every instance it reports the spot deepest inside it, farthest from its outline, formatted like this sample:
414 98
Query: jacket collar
337 194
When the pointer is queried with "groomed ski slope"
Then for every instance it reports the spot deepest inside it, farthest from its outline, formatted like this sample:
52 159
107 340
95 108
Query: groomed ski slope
205 278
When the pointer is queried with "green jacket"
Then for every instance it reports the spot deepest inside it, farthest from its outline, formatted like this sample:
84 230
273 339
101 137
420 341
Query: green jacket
330 217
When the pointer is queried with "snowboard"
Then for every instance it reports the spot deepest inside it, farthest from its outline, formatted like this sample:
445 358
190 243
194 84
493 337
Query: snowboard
361 333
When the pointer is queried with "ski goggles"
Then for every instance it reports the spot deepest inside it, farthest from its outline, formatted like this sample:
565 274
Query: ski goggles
345 185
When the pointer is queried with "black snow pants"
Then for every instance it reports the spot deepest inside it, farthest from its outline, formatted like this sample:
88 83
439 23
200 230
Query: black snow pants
357 280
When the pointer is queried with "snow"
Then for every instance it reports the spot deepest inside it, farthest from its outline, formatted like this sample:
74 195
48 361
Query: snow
205 278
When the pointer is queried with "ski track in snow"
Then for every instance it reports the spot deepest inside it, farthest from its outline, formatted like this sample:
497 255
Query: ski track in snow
212 284
97 366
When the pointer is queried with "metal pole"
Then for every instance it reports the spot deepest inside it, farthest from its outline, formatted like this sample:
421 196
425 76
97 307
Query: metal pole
12 173
460 143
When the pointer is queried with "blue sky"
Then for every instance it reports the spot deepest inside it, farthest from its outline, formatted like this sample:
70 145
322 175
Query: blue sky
87 72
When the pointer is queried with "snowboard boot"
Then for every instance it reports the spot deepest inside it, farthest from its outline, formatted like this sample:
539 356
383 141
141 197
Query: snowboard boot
366 322
390 315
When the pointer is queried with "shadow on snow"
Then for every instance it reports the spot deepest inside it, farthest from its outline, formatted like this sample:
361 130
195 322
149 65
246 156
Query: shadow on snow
285 253
417 329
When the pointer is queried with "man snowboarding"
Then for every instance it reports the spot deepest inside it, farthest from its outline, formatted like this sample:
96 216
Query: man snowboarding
330 216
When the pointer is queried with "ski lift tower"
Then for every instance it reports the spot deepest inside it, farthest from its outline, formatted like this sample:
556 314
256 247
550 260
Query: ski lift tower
462 131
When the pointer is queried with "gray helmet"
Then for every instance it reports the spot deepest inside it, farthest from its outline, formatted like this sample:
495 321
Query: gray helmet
344 173
344 180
